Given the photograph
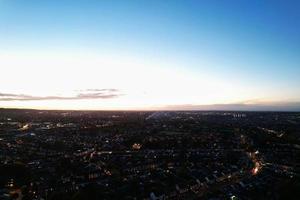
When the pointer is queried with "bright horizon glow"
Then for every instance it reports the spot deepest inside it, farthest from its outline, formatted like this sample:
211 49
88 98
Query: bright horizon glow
149 55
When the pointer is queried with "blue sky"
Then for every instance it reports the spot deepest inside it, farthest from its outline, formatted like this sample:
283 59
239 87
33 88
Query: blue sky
249 45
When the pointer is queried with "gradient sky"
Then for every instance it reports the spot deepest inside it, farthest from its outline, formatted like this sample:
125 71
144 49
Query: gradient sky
148 54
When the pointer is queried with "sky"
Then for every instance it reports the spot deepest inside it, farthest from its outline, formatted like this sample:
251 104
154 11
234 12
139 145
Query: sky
138 54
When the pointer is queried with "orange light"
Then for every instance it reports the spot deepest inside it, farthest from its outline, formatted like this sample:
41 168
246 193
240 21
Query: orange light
255 170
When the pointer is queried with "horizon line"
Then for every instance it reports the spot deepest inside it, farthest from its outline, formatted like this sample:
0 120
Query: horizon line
205 108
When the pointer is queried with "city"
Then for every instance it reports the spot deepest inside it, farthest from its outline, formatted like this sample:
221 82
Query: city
149 155
149 100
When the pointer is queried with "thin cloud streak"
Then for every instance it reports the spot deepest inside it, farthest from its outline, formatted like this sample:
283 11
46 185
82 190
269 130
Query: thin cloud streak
100 90
88 94
282 106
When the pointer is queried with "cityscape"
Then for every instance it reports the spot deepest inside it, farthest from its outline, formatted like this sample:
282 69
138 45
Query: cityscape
149 100
149 155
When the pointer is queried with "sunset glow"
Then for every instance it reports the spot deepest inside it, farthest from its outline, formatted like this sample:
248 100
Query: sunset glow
132 58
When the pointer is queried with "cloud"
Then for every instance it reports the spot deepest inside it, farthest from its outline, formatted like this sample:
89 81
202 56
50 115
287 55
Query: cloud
101 90
84 94
278 106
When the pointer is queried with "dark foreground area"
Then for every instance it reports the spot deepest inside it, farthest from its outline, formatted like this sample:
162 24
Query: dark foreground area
149 155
